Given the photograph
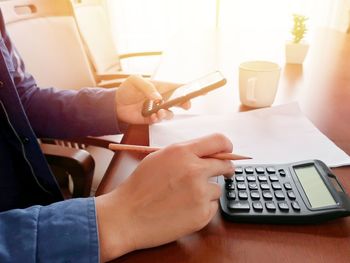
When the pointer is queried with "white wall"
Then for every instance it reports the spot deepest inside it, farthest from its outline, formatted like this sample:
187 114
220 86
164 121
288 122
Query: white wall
148 25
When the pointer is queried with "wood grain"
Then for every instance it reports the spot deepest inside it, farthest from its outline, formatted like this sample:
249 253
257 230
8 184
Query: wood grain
322 88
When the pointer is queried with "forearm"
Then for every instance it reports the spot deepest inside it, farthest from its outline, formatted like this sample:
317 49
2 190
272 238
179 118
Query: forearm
113 230
71 113
63 113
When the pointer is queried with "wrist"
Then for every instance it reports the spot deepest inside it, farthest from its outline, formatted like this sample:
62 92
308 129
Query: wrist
113 228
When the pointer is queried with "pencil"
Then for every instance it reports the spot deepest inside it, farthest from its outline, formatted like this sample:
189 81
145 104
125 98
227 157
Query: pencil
147 149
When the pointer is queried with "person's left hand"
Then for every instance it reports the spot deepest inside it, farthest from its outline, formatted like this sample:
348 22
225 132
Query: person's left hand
131 95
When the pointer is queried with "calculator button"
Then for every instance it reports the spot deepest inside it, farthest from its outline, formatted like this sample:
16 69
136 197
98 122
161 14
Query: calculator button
288 186
252 186
270 170
279 195
228 180
270 206
243 195
239 205
276 186
291 195
249 170
255 195
282 172
267 195
257 206
239 178
231 195
238 170
251 178
264 186
260 170
273 178
283 206
295 206
241 186
230 186
262 178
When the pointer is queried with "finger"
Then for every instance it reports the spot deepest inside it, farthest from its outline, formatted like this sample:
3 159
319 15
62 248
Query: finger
164 114
163 87
214 191
145 86
186 105
210 144
212 207
161 114
169 115
214 167
153 118
212 210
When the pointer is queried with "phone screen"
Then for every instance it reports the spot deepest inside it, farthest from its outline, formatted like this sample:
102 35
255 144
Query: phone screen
196 85
186 92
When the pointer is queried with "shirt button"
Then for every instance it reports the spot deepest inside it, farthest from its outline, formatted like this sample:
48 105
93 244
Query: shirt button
1 84
25 140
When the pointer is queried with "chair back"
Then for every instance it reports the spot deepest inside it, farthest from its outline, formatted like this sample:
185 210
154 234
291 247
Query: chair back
46 36
348 28
96 33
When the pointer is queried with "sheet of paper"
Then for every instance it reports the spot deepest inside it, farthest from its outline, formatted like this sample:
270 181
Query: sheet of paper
280 134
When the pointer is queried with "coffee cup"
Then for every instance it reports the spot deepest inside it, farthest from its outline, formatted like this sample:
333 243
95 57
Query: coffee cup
258 82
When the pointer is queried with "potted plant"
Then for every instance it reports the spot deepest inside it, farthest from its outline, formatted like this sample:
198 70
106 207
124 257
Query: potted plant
297 49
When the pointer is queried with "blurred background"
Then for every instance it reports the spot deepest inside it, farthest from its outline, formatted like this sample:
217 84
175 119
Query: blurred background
140 25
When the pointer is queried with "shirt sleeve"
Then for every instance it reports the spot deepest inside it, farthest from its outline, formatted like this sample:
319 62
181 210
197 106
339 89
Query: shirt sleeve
70 113
63 113
62 232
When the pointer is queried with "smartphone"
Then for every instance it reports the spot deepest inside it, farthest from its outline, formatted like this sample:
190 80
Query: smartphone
185 92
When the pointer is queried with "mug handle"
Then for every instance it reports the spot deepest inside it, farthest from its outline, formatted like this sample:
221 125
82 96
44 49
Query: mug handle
251 89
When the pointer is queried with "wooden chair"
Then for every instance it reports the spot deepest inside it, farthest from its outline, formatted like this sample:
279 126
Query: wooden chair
71 164
46 36
96 34
348 29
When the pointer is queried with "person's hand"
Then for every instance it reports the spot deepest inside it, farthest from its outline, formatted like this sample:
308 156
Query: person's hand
131 95
169 195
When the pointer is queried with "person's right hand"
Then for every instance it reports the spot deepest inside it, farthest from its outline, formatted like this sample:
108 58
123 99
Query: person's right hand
168 196
133 92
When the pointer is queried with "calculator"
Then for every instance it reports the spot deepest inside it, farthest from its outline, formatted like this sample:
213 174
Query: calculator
296 193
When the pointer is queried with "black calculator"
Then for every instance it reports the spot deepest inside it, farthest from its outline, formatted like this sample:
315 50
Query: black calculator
297 193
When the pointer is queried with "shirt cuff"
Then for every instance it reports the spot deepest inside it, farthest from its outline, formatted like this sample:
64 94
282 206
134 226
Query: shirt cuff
107 107
67 232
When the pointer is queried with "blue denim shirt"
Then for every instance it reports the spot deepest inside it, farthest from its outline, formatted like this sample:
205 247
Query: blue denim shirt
36 225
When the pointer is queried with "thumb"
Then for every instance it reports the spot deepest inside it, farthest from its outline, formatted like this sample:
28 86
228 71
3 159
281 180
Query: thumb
147 88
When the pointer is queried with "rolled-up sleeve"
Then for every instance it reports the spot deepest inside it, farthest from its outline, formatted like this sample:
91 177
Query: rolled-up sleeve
62 232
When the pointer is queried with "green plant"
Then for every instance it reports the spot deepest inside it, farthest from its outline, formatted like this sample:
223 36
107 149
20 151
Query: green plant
299 27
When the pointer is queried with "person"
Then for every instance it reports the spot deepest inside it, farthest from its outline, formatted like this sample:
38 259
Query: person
37 225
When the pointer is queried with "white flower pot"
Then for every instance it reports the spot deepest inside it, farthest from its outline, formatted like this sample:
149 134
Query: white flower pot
296 53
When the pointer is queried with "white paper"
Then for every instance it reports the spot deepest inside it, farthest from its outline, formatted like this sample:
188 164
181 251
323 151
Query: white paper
275 135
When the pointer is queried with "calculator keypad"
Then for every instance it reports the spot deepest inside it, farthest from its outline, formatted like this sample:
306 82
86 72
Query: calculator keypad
278 194
258 189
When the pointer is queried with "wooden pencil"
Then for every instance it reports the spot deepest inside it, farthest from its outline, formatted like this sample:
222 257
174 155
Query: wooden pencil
147 149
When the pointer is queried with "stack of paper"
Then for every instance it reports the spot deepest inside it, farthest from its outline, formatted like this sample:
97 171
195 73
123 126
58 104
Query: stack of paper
273 135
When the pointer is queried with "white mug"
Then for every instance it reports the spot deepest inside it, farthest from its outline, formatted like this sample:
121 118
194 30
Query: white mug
258 82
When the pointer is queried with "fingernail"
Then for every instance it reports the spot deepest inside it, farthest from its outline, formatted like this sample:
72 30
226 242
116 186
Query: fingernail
161 114
156 95
157 102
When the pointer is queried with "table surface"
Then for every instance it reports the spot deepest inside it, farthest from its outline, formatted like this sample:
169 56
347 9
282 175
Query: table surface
321 86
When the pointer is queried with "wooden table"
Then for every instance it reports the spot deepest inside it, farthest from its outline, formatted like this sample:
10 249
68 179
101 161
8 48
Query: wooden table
322 88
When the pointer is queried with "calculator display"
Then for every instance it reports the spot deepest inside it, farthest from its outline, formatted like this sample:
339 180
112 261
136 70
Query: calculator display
314 186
